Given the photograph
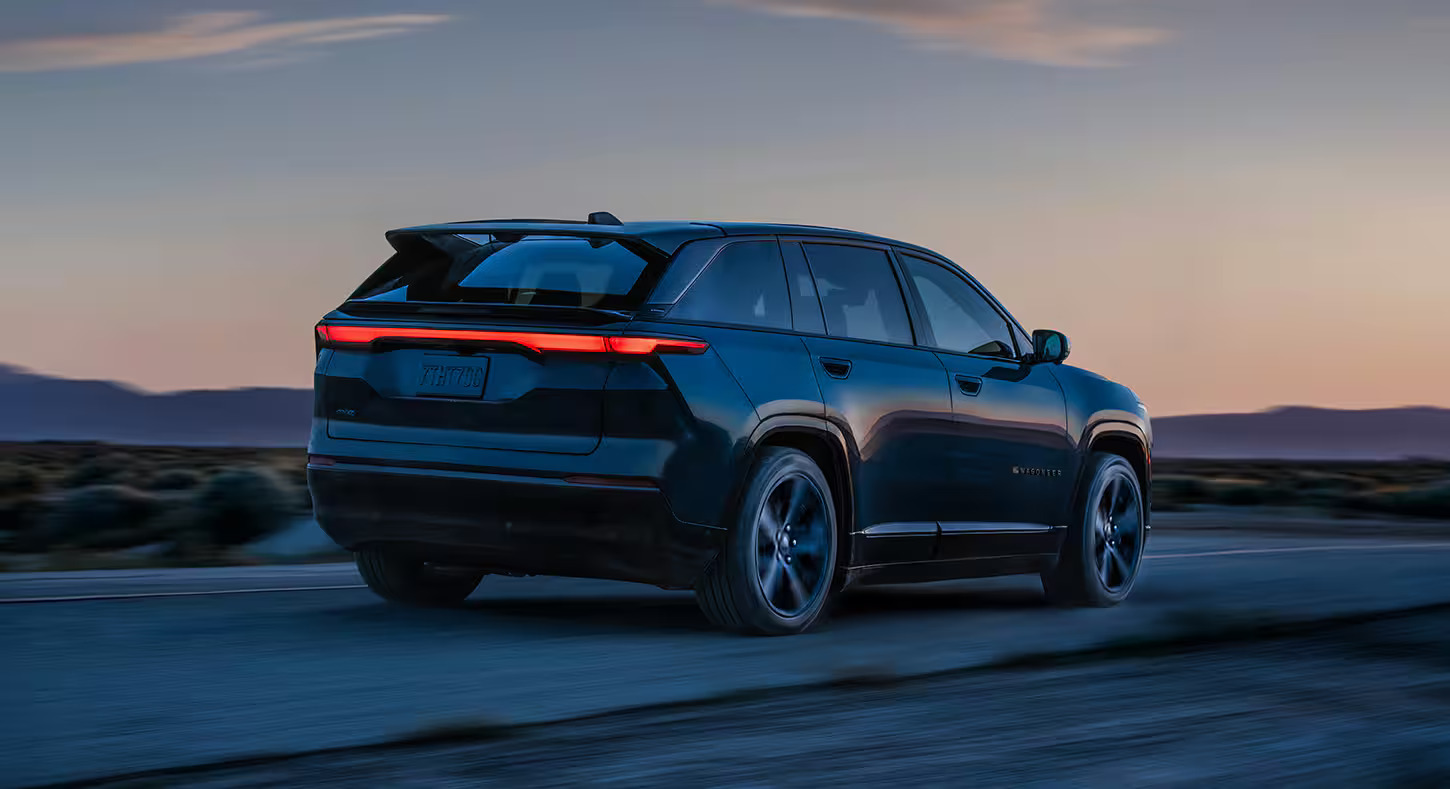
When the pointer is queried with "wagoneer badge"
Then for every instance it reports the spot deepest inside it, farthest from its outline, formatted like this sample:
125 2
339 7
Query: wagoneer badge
1037 472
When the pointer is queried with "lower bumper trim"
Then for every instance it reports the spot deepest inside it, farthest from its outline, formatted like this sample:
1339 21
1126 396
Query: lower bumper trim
515 524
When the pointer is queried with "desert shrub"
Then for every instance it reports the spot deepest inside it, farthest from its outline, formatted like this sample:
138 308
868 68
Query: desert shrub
14 523
24 519
1179 490
19 513
1251 495
1240 495
1245 494
18 480
243 503
1328 484
108 468
1430 501
100 516
304 499
175 479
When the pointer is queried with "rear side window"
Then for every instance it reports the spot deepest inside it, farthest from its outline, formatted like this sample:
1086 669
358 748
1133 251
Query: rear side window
567 272
859 293
744 284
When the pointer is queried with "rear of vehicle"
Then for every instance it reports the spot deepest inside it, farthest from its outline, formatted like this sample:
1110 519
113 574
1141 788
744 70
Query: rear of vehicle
482 403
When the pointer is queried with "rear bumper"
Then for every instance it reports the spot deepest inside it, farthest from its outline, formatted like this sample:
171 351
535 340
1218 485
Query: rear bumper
512 523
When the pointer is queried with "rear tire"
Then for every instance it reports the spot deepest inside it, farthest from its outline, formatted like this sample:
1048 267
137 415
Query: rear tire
1104 547
401 579
777 572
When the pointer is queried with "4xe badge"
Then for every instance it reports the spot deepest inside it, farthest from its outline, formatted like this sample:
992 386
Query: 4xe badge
1037 472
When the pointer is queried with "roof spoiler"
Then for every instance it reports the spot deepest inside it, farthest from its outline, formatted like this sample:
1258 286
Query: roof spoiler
602 227
515 231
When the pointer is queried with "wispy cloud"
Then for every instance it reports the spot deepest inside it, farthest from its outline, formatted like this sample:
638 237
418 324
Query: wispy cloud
1032 31
203 35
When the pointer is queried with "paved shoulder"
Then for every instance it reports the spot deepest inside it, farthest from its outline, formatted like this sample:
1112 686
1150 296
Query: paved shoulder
83 584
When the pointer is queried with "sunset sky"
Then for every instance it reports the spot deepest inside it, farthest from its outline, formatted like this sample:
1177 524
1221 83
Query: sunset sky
1226 204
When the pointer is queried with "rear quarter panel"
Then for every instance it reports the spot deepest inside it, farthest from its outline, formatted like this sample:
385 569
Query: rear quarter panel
748 376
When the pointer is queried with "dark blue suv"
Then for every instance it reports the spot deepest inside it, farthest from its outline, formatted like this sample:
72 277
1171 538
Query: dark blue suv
762 413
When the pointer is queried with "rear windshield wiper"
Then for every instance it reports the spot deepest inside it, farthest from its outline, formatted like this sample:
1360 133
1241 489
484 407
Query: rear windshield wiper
481 308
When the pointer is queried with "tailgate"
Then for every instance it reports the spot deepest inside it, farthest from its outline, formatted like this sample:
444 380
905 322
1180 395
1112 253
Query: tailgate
490 397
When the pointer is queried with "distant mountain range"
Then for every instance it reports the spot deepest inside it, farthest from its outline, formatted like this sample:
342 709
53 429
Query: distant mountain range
1303 433
36 407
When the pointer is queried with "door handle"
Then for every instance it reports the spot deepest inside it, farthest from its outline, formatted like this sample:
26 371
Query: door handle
836 368
970 385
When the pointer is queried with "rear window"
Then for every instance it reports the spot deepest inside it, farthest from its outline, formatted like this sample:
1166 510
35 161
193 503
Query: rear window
551 271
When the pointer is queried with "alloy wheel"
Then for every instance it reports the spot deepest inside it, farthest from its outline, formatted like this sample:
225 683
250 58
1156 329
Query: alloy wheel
792 545
1117 531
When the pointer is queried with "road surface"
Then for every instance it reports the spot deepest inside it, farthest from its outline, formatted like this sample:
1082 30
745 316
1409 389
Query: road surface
123 671
1352 705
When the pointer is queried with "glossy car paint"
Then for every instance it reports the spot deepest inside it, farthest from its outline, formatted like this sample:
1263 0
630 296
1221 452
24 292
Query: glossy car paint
629 467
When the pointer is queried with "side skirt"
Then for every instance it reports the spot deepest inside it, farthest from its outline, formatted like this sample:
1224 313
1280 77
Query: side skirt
950 569
960 550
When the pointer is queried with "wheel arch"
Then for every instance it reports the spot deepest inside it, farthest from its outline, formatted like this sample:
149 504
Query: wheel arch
831 450
1128 441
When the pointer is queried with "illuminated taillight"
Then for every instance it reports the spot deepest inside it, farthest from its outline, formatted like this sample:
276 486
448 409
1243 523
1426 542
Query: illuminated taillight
539 342
647 345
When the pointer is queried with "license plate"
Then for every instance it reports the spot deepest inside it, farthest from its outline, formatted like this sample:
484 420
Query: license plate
452 377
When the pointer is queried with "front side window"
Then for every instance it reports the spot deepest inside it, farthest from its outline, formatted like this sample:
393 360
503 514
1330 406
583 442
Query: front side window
744 284
1024 342
960 318
859 293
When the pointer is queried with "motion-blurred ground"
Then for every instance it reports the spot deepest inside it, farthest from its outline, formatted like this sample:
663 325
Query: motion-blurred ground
1366 705
118 671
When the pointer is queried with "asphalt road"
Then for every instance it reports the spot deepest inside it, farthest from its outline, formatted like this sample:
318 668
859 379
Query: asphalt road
112 672
1354 705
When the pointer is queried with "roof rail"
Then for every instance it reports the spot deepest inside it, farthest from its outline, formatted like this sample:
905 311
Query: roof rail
596 218
521 221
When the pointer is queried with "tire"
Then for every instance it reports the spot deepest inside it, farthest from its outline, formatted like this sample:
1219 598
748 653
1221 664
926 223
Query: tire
777 572
400 579
1103 550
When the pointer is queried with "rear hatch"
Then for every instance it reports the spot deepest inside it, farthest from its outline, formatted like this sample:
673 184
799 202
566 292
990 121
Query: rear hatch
489 341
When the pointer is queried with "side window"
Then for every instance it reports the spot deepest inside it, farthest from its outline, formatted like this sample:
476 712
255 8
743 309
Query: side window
859 293
744 284
960 318
805 305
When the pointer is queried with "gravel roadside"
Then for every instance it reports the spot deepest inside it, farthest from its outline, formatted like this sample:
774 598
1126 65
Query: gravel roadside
1363 705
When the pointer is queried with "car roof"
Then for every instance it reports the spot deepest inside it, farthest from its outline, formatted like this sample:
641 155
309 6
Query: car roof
818 231
667 236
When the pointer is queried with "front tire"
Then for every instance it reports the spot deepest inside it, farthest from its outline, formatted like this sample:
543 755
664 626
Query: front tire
778 568
402 579
1104 547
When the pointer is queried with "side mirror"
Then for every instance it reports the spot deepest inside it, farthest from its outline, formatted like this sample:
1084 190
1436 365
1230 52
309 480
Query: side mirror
1050 346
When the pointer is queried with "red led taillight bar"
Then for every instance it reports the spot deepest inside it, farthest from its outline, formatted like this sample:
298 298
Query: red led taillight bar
540 342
